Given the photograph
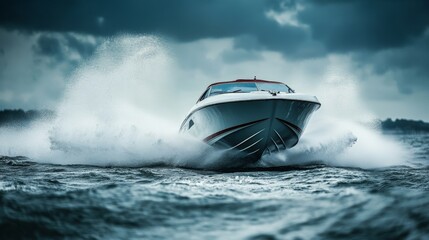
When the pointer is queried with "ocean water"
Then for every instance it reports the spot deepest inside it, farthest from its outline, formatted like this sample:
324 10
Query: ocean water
311 201
112 165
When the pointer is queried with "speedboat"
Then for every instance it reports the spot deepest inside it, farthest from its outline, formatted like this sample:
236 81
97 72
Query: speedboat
250 117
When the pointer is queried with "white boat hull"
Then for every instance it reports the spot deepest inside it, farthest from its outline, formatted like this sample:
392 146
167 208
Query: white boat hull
250 128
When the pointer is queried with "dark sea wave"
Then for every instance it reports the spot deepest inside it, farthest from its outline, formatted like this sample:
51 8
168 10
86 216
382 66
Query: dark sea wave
316 201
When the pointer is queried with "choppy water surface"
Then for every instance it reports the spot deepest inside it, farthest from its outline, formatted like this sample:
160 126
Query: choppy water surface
311 201
89 172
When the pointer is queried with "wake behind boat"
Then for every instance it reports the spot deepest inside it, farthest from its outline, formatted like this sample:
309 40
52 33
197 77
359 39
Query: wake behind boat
250 117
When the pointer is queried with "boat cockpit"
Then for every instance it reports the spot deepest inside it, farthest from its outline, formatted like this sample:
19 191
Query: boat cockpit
241 86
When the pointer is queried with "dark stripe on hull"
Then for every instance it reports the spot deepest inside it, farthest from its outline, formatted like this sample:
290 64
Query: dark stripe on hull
231 129
292 126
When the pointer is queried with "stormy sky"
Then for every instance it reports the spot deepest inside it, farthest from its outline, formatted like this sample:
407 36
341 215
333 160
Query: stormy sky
382 45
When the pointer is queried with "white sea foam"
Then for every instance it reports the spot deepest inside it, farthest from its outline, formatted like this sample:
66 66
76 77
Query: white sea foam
340 132
121 109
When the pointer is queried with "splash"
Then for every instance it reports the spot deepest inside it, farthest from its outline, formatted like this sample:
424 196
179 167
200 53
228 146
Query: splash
339 134
118 110
338 142
121 109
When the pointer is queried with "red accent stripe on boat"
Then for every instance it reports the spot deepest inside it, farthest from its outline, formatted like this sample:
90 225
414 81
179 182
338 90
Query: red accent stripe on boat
230 129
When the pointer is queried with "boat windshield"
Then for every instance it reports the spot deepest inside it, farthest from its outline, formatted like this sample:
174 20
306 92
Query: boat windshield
233 88
244 87
275 87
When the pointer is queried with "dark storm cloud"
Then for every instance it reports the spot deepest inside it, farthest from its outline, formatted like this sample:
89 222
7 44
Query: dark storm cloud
49 46
240 55
186 20
406 66
59 47
337 25
354 25
84 48
388 37
415 56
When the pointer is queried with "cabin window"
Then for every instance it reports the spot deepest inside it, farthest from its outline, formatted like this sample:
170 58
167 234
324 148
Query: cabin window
190 124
